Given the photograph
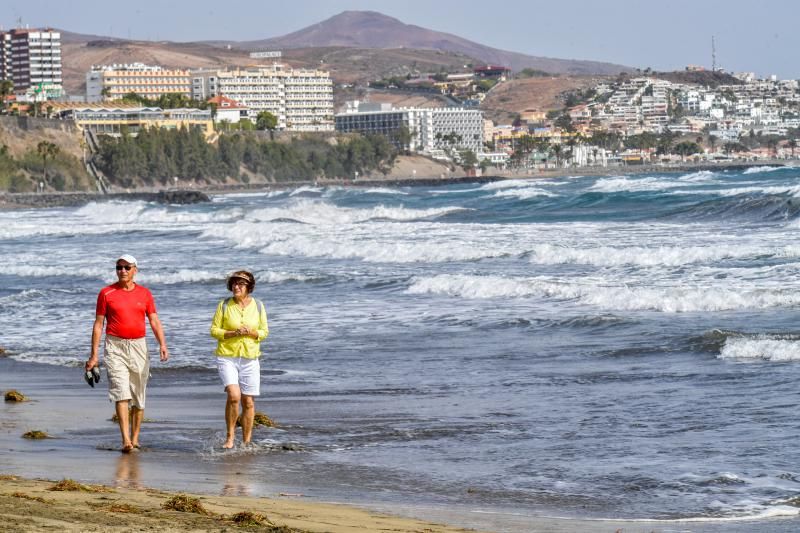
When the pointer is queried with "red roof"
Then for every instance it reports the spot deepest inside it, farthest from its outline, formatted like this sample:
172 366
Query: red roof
223 102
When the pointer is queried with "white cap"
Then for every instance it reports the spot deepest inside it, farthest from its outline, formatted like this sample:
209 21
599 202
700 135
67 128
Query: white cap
128 259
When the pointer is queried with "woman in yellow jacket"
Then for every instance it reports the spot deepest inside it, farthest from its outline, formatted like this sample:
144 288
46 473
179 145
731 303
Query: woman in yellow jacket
239 325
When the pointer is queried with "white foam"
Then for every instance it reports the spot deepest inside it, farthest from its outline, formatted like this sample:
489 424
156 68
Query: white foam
505 184
757 170
792 191
700 176
597 293
628 184
318 212
306 189
524 193
379 251
761 348
385 190
549 254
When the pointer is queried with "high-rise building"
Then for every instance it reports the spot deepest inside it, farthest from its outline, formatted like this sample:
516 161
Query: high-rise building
301 100
31 59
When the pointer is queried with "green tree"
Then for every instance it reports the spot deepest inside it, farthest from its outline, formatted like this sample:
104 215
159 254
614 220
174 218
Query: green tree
267 121
792 144
468 160
686 148
46 150
6 89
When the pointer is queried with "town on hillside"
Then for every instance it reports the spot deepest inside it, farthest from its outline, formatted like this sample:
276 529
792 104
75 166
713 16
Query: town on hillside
632 119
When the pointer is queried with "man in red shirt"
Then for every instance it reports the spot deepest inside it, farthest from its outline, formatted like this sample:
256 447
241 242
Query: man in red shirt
123 307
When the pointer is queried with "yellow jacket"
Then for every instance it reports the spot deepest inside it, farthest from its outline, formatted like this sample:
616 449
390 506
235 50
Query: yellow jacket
229 318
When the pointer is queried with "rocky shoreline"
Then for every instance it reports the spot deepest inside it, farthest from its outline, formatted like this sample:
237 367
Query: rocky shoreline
71 199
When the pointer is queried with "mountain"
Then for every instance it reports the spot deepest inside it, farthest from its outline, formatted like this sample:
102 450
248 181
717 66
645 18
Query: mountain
369 29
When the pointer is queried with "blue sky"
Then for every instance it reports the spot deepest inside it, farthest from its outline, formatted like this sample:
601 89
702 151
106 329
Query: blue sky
760 37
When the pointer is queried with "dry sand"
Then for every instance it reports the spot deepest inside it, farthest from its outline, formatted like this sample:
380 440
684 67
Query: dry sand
31 505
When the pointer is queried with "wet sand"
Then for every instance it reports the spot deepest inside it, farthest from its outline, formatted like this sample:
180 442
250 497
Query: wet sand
84 447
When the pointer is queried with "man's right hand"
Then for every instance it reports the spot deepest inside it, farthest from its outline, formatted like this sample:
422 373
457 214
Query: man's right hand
91 363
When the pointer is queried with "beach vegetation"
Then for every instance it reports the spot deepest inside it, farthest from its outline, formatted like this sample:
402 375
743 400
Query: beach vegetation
35 435
15 396
249 519
185 504
123 507
260 419
70 485
29 497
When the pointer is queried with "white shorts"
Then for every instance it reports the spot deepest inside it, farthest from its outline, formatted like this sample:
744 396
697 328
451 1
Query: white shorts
240 371
128 369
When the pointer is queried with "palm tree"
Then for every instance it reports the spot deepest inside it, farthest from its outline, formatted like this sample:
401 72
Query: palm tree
557 150
6 88
47 150
792 144
712 141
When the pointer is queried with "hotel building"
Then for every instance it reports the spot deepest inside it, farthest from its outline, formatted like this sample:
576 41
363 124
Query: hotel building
301 100
112 82
428 129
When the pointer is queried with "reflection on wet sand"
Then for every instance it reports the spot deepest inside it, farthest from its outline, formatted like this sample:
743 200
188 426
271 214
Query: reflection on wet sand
127 475
236 481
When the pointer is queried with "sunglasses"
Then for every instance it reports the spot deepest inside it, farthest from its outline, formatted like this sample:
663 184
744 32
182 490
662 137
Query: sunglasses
124 267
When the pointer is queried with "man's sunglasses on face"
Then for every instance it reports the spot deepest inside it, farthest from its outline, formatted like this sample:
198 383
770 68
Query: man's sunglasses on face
125 267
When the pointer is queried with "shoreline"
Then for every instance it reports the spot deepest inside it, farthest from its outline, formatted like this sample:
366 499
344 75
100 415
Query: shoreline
82 446
196 194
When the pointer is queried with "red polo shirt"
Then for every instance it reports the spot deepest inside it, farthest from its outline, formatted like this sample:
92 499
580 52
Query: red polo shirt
125 311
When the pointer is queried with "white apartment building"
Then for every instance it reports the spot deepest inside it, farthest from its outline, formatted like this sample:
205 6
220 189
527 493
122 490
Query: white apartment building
112 82
31 59
431 130
301 100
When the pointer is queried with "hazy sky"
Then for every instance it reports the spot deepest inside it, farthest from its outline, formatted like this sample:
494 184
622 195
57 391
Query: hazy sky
754 36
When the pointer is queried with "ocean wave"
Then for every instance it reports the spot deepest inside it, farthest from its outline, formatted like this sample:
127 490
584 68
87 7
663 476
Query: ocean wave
773 348
525 193
306 189
667 299
699 176
793 191
629 184
317 212
379 251
385 190
758 170
548 254
20 299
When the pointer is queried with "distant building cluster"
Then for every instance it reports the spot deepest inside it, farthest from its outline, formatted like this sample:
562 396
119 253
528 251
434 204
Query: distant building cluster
301 100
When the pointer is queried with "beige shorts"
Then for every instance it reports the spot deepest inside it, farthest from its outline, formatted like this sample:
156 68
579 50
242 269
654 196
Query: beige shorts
128 369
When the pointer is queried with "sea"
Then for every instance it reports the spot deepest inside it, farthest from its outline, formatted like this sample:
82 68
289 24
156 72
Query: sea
603 347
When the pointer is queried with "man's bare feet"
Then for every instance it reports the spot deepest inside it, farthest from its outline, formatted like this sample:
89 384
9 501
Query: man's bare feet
228 443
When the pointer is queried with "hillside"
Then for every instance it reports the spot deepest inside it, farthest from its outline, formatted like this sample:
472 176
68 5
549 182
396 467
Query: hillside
369 29
541 94
346 65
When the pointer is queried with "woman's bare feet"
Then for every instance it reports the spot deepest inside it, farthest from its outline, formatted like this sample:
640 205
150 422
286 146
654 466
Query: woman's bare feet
127 448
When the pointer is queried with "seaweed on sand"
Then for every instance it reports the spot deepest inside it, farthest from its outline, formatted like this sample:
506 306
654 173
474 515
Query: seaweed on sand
15 396
35 435
185 504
